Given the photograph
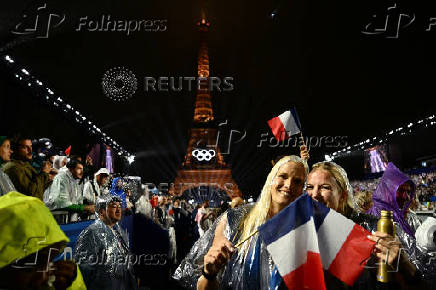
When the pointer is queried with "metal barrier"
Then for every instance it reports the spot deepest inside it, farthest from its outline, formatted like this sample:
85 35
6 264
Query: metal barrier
61 216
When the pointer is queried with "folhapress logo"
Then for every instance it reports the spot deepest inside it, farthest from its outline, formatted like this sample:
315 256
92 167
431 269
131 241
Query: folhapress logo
389 24
392 22
107 23
39 22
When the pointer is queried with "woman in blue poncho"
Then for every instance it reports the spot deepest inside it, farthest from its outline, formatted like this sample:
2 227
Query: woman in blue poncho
117 190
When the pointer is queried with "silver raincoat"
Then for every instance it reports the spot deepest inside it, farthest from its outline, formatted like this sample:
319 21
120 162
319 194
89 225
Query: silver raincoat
5 183
238 276
251 266
91 191
63 192
413 220
102 254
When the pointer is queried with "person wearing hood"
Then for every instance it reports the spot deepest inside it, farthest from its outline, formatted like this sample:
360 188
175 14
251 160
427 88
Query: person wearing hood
94 188
117 190
6 184
395 192
102 249
415 263
328 184
60 163
29 245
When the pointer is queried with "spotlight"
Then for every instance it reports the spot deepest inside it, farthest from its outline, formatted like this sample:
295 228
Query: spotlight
9 59
131 159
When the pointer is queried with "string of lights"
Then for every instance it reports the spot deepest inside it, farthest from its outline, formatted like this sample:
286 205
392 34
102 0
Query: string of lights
371 142
26 78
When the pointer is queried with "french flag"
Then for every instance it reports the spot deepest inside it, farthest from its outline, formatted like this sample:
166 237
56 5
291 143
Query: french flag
306 238
285 125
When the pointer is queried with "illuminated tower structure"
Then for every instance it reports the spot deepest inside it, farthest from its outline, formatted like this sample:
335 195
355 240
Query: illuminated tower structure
203 173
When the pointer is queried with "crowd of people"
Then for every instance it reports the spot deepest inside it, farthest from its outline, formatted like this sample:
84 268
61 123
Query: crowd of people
74 191
155 241
425 191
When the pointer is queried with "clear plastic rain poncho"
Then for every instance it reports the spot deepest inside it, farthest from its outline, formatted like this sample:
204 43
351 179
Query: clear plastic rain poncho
63 192
143 205
384 197
251 266
102 253
5 183
421 257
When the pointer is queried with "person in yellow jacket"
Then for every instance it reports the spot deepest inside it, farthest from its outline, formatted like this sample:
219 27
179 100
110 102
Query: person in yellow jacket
29 240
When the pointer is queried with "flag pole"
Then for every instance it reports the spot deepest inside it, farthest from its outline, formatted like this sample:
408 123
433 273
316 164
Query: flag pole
302 138
246 239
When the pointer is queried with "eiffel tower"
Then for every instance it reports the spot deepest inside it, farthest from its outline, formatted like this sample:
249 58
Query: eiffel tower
203 173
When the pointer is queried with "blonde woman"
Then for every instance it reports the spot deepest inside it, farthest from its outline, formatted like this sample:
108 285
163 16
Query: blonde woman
328 184
214 263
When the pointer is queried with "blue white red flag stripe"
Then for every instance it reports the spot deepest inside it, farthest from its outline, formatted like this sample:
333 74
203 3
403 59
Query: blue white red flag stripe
289 221
307 237
285 125
330 230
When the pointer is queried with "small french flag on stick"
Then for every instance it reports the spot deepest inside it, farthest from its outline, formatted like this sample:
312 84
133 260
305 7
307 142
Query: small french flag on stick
306 238
68 151
285 125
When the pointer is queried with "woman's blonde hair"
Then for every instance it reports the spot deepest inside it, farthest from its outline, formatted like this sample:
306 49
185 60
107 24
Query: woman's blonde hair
259 213
363 200
343 184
